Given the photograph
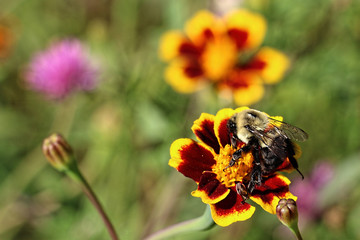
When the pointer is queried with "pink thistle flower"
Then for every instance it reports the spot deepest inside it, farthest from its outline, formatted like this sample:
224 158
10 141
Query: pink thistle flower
63 68
308 189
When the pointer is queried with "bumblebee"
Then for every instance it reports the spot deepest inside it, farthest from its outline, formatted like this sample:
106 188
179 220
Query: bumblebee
270 142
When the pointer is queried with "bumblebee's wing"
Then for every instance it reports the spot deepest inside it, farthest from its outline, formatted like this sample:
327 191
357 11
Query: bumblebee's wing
289 131
260 135
273 139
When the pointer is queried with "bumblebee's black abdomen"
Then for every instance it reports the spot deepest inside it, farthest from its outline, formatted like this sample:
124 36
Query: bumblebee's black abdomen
270 161
275 154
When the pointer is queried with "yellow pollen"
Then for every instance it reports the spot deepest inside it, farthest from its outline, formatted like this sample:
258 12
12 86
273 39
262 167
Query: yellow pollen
236 173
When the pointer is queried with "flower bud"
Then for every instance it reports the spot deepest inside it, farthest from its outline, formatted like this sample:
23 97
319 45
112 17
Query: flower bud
58 152
287 213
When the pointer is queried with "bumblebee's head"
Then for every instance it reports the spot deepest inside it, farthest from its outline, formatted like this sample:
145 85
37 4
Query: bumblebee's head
240 123
231 125
257 119
251 117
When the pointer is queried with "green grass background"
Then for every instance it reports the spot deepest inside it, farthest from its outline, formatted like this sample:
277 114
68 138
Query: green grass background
122 131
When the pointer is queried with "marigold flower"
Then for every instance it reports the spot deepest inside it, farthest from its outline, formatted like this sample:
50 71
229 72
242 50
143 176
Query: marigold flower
211 50
62 69
205 162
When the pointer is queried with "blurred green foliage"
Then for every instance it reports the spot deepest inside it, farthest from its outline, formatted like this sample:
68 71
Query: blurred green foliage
122 131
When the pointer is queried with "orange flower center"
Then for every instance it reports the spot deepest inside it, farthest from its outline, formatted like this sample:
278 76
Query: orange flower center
236 173
219 57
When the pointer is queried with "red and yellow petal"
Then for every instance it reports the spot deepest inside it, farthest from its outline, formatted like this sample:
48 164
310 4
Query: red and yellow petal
191 158
270 64
286 166
220 127
210 190
231 209
202 27
185 76
246 28
170 44
203 128
244 86
278 119
271 191
249 95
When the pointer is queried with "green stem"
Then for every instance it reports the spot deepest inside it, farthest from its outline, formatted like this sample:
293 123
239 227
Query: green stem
294 228
30 166
203 222
75 174
297 233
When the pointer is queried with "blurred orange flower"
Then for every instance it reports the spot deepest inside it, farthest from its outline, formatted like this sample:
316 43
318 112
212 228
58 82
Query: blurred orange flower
213 49
6 40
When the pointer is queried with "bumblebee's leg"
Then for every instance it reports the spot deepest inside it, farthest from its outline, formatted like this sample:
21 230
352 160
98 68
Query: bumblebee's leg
295 165
256 155
242 191
255 178
233 141
291 153
237 154
256 174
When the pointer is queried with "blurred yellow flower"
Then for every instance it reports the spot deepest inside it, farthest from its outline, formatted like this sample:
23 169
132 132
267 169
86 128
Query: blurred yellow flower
245 87
213 50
